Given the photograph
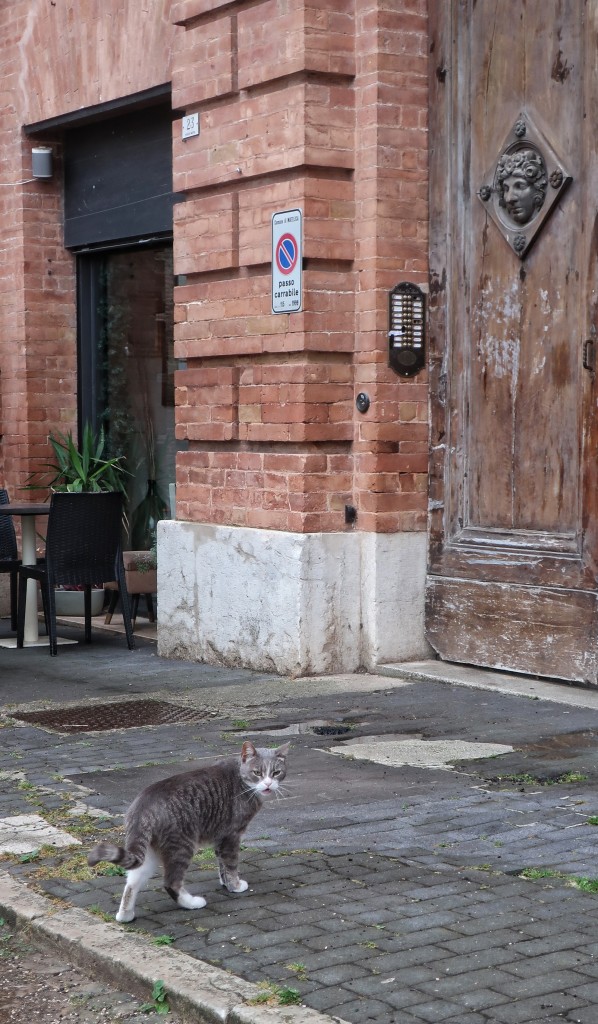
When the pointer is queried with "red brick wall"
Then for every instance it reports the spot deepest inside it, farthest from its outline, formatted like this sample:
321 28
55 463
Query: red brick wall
56 58
37 313
323 106
391 440
320 104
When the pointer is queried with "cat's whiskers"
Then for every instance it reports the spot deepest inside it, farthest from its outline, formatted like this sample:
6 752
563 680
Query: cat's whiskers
249 794
283 787
282 795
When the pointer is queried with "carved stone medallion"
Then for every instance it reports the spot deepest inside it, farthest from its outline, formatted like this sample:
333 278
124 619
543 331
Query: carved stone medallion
523 186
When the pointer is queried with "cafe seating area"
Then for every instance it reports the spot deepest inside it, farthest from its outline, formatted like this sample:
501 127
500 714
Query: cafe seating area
83 559
9 557
10 562
83 548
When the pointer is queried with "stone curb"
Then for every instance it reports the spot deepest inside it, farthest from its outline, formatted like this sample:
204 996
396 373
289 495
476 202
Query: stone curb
202 994
553 691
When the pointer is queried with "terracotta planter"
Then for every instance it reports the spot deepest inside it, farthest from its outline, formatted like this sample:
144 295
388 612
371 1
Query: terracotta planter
141 582
141 578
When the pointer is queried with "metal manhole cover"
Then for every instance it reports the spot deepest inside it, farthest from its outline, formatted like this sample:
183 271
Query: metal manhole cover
130 714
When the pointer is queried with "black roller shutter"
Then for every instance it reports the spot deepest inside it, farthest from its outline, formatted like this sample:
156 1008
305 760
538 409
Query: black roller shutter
118 179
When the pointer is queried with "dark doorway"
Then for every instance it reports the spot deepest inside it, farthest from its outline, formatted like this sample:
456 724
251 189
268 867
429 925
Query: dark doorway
126 372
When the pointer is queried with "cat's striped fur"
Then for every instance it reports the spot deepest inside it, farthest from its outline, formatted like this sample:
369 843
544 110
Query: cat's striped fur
171 819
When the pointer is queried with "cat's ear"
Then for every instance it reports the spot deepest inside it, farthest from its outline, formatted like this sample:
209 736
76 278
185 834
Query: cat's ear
283 751
247 750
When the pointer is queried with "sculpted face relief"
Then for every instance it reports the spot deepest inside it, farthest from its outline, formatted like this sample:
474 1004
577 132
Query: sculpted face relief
519 198
521 182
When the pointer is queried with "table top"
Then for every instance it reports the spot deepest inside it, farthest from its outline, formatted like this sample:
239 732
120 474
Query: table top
25 508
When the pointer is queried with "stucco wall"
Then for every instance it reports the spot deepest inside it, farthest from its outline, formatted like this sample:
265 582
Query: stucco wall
75 55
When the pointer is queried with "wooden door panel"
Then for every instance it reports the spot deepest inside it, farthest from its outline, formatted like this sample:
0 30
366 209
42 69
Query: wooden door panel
514 628
513 444
526 567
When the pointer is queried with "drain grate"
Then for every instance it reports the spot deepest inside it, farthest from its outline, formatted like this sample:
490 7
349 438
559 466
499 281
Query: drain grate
130 714
331 730
314 727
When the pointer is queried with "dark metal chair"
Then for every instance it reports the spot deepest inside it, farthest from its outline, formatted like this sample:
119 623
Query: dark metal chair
83 548
9 556
141 577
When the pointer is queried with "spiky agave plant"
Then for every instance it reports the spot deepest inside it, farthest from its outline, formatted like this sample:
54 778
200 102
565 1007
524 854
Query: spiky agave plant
77 469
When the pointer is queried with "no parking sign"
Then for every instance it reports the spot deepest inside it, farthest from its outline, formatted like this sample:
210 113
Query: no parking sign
287 260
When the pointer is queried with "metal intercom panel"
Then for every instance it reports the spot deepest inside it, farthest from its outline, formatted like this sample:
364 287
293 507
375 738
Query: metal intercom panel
406 335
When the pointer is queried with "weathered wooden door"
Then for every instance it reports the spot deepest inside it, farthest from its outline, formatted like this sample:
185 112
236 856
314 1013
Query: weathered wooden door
513 553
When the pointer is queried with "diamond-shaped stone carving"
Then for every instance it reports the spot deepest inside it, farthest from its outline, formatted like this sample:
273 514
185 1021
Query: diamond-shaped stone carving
523 186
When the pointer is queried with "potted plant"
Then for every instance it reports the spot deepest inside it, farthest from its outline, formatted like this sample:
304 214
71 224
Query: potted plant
81 469
77 470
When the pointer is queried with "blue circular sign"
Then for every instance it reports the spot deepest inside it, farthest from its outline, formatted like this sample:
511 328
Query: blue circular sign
287 252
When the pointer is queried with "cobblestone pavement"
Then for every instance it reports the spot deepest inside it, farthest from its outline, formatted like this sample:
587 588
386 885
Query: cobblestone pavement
378 892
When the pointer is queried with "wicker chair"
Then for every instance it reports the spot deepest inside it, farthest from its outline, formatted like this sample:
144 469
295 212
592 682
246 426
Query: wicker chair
9 556
83 548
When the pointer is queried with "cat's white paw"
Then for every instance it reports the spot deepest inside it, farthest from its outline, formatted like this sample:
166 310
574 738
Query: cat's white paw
190 902
125 915
241 886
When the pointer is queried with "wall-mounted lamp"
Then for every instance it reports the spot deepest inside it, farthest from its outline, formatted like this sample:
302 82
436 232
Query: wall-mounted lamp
41 162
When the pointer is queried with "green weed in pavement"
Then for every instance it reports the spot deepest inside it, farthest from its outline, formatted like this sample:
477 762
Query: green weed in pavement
160 1000
276 995
525 779
589 885
97 910
299 970
205 859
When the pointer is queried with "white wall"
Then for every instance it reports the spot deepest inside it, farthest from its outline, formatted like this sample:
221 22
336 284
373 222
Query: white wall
293 604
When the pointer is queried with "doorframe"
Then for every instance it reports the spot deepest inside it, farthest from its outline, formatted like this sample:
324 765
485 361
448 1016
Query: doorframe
89 324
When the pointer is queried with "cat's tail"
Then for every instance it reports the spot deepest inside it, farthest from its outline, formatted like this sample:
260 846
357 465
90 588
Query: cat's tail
116 854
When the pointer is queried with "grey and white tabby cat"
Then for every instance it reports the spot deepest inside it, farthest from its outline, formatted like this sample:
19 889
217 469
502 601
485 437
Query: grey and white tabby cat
171 819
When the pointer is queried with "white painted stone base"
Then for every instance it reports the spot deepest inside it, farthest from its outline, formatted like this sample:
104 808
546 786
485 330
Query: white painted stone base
289 603
393 577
